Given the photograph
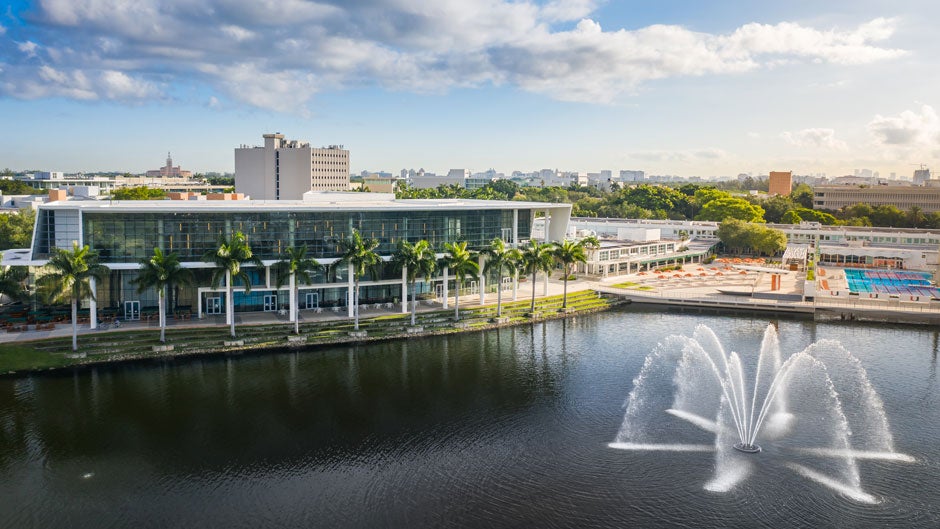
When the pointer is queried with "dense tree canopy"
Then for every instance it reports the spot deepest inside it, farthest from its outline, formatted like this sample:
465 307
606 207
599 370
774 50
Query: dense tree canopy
714 201
15 187
16 229
739 236
731 208
138 193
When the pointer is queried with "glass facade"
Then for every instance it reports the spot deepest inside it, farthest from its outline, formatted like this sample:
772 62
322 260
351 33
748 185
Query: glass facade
129 237
126 237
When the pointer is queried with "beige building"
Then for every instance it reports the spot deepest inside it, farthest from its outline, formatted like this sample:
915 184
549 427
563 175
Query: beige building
286 169
169 171
903 197
781 183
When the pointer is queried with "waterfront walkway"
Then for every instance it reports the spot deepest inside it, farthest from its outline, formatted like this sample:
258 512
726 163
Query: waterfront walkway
696 286
467 302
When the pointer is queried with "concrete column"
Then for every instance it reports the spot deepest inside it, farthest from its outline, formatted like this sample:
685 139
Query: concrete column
482 283
293 302
515 285
547 226
199 304
515 227
93 305
351 294
404 290
446 278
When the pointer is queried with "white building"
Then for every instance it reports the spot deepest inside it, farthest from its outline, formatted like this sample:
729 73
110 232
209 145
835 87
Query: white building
425 180
286 169
850 246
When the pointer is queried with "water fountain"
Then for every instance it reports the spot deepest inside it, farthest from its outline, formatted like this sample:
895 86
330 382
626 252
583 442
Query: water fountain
816 411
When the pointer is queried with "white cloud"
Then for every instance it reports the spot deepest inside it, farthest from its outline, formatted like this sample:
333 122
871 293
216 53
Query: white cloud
277 54
28 48
683 156
908 129
564 10
819 138
118 85
238 33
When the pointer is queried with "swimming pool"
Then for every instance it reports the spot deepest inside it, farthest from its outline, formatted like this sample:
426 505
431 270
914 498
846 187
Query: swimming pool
892 282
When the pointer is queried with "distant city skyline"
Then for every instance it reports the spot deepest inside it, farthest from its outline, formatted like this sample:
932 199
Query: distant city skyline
673 88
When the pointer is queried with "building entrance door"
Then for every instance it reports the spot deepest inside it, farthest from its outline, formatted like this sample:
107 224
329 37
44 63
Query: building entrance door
313 300
270 302
214 305
131 310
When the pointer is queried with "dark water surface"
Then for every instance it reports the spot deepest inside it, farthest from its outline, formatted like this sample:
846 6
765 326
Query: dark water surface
506 428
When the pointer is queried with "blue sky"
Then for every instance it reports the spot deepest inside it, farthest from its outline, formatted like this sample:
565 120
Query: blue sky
670 87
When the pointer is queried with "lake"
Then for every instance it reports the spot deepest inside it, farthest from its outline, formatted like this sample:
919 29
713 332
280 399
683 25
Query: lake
505 428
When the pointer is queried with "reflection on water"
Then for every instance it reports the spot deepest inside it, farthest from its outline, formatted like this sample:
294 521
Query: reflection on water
503 428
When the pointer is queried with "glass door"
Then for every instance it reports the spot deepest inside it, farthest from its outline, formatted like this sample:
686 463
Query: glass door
313 300
214 305
131 310
270 302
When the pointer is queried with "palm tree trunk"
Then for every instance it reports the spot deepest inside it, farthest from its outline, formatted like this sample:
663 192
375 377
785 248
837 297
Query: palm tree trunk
457 300
414 302
295 303
499 296
230 301
74 324
356 305
532 307
160 299
564 299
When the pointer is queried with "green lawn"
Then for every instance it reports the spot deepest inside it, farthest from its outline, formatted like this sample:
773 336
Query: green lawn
121 345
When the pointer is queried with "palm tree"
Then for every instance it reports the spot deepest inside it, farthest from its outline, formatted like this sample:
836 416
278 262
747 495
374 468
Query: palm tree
159 271
68 277
228 259
463 263
11 282
568 253
360 254
298 267
417 260
536 257
499 258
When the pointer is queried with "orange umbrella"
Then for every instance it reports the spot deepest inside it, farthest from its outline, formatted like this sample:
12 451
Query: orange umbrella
718 274
688 275
660 277
703 274
642 274
742 272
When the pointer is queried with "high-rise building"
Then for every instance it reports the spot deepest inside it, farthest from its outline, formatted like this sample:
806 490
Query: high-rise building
286 169
781 182
921 176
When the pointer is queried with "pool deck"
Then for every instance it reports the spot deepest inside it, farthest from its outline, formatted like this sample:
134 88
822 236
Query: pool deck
723 287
